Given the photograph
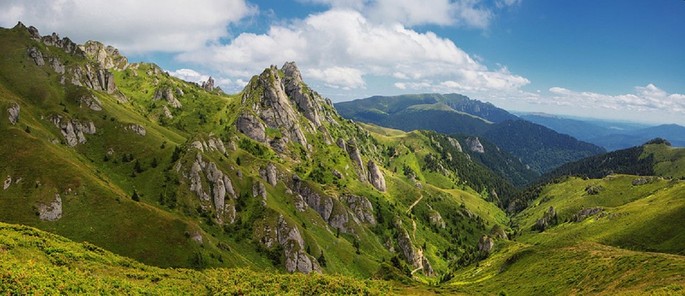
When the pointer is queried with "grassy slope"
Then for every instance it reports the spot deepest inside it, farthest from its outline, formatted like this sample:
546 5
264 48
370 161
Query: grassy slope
603 254
32 261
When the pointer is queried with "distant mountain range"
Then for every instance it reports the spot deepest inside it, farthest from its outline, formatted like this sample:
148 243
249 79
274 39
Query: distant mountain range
610 135
538 147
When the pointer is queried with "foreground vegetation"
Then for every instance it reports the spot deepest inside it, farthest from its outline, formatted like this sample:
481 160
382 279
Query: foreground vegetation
36 262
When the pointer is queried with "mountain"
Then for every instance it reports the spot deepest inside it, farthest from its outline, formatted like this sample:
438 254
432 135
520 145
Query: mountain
119 178
538 147
610 135
175 174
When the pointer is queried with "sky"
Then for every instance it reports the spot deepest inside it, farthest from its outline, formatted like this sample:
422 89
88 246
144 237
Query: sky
611 59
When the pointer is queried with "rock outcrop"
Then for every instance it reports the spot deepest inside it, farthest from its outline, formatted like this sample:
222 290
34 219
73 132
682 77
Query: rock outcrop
36 56
455 143
167 112
436 219
330 210
296 90
208 85
269 174
91 102
252 127
211 144
485 244
220 188
13 111
167 94
376 176
296 259
107 57
356 157
548 219
361 208
51 211
137 128
73 130
585 213
93 78
413 255
475 145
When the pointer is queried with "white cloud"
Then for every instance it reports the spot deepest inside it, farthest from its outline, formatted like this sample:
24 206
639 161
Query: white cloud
339 47
130 25
348 78
644 99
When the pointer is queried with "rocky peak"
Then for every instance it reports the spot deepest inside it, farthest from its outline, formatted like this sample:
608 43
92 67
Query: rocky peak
107 57
306 100
209 84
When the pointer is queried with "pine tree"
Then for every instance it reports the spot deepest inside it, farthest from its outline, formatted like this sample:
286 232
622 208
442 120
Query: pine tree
135 196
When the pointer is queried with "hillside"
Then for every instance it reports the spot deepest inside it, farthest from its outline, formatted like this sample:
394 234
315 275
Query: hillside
130 159
539 148
119 178
610 135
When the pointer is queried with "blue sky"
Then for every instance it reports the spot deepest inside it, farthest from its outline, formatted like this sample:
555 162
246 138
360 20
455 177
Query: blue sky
605 59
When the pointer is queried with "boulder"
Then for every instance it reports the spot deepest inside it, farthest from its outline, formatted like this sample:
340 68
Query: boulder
167 112
51 211
376 176
252 127
13 111
269 174
259 190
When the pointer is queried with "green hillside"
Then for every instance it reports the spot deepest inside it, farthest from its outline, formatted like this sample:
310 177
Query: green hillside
175 174
119 178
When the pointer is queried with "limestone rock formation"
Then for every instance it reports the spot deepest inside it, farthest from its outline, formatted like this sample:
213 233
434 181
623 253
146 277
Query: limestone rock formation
93 78
211 144
296 259
330 210
51 211
455 143
475 145
412 254
259 190
91 102
304 100
107 57
167 94
361 208
73 130
356 158
36 55
137 128
220 187
13 111
252 127
269 174
376 176
167 112
209 84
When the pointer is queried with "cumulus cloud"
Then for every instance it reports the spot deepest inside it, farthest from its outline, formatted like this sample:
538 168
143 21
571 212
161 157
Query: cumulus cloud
647 98
130 25
340 47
